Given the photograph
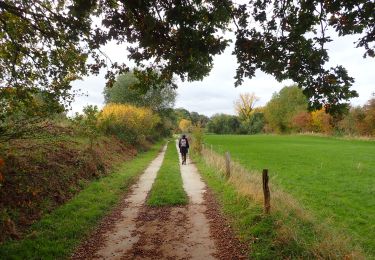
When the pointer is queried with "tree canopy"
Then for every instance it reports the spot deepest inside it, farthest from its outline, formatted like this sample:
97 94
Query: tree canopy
125 90
49 43
223 124
244 105
283 106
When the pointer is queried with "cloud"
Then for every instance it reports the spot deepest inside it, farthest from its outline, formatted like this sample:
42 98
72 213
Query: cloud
342 51
90 91
216 93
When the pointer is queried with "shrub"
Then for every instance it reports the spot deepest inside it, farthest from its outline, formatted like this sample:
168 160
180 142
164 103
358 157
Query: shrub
321 121
302 122
87 123
369 119
129 123
253 125
353 122
223 124
197 134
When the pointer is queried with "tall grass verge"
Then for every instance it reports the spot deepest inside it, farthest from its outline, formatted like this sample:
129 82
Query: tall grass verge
56 235
288 232
167 189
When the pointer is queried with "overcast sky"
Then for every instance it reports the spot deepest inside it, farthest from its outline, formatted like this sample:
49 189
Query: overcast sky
216 93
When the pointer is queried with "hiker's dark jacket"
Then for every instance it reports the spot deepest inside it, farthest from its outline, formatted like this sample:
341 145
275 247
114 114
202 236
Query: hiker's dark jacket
183 144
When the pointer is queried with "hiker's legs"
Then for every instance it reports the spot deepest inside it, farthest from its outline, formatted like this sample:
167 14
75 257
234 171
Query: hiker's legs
183 155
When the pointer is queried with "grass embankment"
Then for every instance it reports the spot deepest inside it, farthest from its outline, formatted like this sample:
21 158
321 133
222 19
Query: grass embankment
56 235
167 189
333 178
40 174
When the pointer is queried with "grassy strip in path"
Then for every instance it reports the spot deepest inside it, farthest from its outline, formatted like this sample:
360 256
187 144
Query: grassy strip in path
167 189
56 235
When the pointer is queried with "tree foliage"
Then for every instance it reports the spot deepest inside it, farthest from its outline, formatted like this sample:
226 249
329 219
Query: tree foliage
185 125
195 118
283 106
321 122
87 123
47 44
125 91
223 124
244 105
302 122
370 117
25 117
252 125
44 44
360 120
182 113
197 139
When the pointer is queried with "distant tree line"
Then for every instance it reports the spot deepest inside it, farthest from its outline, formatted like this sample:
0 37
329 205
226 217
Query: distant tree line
186 120
287 112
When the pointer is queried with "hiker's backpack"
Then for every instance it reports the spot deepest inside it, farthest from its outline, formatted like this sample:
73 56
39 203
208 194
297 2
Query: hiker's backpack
183 142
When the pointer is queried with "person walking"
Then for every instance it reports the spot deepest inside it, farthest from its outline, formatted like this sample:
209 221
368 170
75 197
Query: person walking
183 144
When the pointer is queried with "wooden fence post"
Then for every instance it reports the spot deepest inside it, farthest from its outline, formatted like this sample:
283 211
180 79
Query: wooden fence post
227 164
266 191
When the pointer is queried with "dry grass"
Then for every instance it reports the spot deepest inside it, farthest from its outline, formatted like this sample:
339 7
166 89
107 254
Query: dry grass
344 137
324 243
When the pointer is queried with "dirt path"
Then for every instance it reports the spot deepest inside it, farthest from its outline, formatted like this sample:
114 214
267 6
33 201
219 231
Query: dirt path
136 231
114 237
176 232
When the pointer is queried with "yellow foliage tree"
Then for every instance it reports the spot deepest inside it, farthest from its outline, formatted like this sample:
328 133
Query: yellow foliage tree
244 105
185 125
321 121
129 123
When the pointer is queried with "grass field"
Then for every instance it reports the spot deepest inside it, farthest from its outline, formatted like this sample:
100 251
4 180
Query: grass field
253 228
57 234
167 189
333 178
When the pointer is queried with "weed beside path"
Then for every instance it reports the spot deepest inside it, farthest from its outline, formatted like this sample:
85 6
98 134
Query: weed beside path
167 189
56 235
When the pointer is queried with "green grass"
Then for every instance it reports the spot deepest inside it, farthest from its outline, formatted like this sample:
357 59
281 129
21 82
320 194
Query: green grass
167 189
258 231
56 235
333 178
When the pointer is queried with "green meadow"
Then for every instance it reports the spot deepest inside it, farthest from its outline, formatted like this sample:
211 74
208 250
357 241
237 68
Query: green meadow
332 178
